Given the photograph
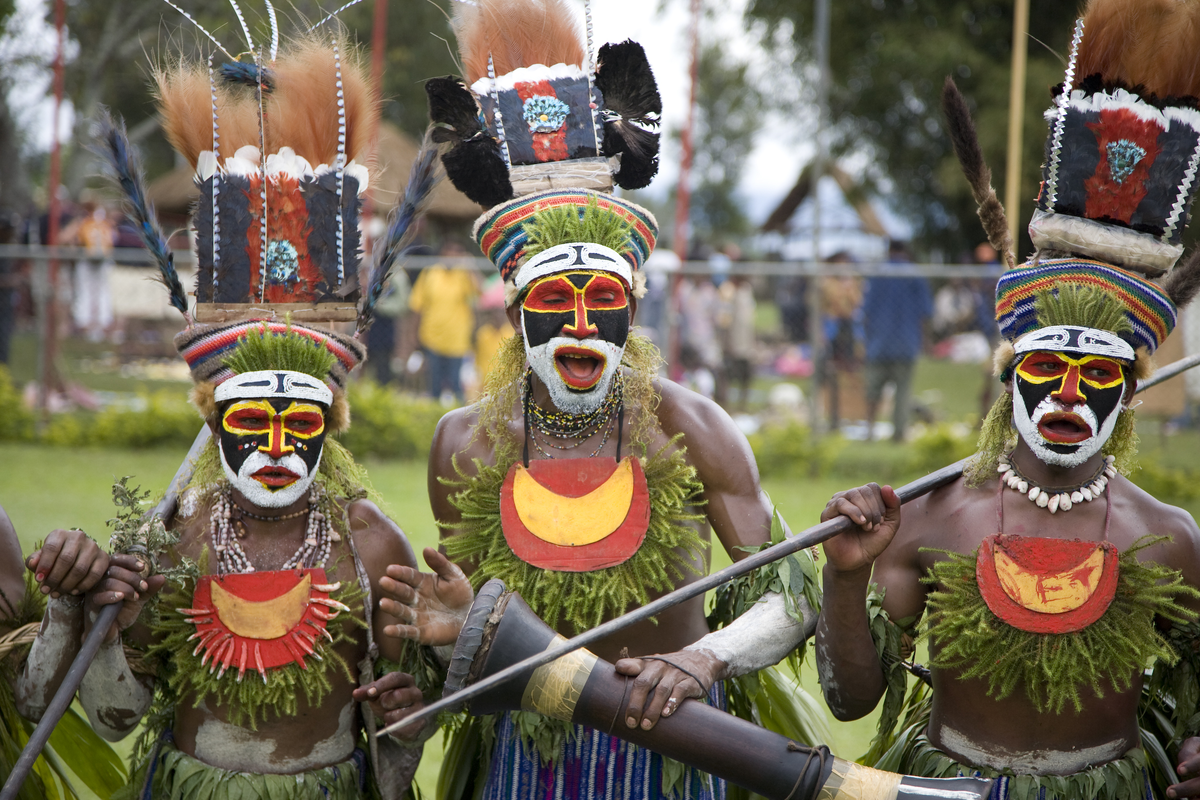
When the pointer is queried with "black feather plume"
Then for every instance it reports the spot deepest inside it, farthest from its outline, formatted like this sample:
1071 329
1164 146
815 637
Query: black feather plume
247 74
403 226
113 145
477 169
970 156
631 111
453 110
624 77
1183 282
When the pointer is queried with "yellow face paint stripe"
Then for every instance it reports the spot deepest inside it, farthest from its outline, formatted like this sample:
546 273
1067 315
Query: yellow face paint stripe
1070 362
263 405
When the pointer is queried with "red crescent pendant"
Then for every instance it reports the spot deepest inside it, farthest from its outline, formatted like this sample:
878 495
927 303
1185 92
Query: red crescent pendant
577 514
260 620
1047 585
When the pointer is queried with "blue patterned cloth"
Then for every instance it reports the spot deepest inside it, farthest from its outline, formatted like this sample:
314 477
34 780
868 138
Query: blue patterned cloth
590 765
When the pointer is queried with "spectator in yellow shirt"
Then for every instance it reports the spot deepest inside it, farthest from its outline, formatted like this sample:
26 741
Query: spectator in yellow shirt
444 297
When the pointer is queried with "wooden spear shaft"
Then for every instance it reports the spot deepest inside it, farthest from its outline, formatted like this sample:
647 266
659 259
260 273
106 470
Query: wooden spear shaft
91 643
808 538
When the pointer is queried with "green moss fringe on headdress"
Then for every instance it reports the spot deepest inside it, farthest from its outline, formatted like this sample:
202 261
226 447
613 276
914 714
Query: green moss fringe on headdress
583 599
258 350
1085 306
500 402
566 224
968 638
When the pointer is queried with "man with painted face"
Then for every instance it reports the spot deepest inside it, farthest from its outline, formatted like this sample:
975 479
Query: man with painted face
1048 581
267 627
590 485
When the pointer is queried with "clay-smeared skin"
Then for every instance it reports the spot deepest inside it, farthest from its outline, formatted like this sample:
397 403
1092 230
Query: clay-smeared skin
965 721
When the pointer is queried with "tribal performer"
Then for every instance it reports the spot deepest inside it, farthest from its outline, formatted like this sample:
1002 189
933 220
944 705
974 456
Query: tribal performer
1048 580
267 640
581 478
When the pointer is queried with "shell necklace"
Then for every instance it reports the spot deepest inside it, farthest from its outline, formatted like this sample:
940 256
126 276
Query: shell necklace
1057 498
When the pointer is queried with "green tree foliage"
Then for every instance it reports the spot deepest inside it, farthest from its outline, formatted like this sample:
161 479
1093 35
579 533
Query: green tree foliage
728 115
115 43
888 59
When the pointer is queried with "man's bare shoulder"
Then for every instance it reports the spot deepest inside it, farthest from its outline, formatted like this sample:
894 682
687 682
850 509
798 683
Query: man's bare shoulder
680 410
378 539
715 445
456 436
1136 513
953 517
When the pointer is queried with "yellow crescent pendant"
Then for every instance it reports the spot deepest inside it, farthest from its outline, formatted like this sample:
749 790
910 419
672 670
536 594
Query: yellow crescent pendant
262 619
1050 594
573 521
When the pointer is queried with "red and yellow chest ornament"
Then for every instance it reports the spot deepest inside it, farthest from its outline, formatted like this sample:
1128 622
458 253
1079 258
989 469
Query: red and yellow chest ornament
261 620
1047 585
576 514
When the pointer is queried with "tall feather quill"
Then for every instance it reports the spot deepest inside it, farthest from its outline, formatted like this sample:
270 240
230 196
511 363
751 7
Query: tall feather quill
421 181
114 147
979 176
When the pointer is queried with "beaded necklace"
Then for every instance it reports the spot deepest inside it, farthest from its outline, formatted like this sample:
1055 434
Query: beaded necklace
573 428
227 527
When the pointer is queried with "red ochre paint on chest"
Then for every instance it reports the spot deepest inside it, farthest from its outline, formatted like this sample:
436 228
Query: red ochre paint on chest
1047 585
261 620
577 514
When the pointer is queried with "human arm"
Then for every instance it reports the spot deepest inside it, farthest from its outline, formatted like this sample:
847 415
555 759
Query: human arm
112 695
741 516
67 565
852 677
389 559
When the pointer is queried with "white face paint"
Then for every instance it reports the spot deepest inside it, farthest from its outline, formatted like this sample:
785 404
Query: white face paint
1027 426
1065 406
255 491
271 448
544 358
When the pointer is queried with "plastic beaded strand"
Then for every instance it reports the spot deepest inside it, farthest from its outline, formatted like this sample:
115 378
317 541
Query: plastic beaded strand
495 92
216 190
262 156
591 76
340 166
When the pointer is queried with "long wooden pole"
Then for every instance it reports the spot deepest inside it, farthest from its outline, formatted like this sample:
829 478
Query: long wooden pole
91 643
807 538
1016 118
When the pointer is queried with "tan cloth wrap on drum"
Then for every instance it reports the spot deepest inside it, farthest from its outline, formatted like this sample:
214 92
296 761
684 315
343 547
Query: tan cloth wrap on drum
850 781
554 688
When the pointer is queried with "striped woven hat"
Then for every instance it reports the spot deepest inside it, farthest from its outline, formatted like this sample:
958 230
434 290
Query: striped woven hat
1147 307
205 348
501 231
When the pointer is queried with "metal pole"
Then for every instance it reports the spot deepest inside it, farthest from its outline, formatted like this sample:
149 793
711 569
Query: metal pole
807 538
683 199
821 48
47 372
1016 118
91 644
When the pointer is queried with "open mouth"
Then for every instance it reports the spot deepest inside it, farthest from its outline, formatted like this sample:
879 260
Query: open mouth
1064 427
275 477
580 368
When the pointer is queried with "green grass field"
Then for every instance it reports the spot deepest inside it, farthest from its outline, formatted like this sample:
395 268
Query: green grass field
43 488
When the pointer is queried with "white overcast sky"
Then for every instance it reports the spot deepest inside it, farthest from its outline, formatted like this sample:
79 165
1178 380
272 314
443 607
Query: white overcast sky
780 150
